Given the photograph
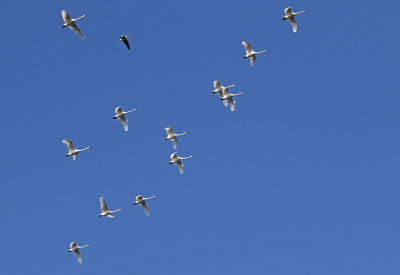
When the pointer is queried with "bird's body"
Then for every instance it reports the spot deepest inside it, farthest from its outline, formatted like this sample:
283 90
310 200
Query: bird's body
75 249
218 87
175 159
250 53
227 98
104 209
172 136
124 38
70 22
72 150
289 15
142 201
121 116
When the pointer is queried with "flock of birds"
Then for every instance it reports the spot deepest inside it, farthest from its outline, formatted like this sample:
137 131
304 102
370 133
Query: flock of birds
223 91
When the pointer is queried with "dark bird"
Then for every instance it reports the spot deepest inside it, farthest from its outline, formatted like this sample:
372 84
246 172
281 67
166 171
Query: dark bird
124 38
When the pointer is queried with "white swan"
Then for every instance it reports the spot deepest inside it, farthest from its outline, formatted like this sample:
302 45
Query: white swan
142 201
172 136
72 150
121 116
104 209
290 15
70 22
75 249
227 98
250 53
218 87
124 38
177 161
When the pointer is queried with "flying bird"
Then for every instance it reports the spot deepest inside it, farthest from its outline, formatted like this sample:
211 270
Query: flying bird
75 249
290 15
142 201
250 53
124 38
72 150
121 116
172 136
104 209
227 98
218 87
70 22
178 161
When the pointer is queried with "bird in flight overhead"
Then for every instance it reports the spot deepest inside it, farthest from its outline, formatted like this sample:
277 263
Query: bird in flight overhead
178 161
104 209
72 150
172 136
124 38
121 116
290 15
70 22
250 53
142 201
75 249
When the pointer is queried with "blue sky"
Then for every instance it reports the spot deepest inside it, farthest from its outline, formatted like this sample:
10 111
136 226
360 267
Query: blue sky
301 179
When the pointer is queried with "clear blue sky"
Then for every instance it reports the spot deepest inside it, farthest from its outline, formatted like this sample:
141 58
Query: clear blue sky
301 179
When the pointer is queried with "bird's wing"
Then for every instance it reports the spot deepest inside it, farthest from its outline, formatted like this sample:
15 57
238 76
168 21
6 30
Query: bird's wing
232 104
78 256
288 11
127 43
175 142
124 122
118 110
103 205
180 166
77 30
74 156
252 60
145 208
169 130
174 156
72 245
66 16
110 215
293 22
248 47
225 101
70 145
217 84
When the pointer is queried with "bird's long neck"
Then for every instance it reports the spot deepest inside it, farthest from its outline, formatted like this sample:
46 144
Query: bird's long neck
83 246
116 210
182 134
294 13
131 110
80 17
85 148
238 94
262 51
230 86
188 157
